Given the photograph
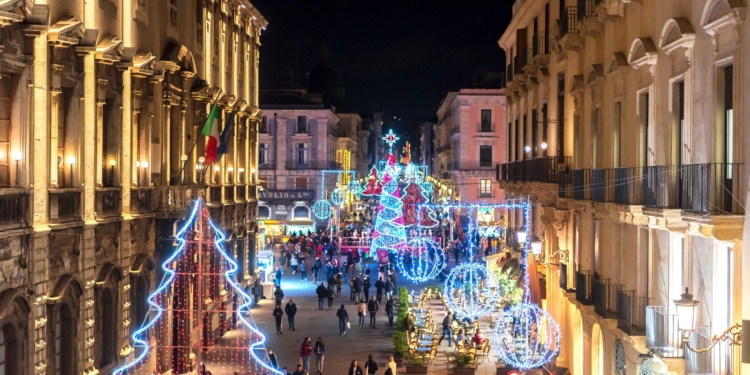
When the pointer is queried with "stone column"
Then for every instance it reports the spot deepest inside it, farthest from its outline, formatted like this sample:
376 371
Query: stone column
166 141
55 90
126 141
101 99
135 106
40 132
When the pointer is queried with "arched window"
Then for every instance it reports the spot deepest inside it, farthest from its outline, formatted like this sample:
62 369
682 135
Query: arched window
141 304
3 353
108 326
301 213
263 212
63 335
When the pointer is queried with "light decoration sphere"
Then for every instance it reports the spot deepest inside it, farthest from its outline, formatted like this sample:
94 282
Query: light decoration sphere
526 336
322 209
338 197
472 290
421 259
427 187
354 187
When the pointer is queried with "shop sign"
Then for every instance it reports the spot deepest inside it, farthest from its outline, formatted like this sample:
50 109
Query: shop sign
287 194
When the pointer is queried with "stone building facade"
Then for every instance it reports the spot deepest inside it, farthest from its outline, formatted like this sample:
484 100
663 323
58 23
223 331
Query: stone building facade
468 141
101 105
625 129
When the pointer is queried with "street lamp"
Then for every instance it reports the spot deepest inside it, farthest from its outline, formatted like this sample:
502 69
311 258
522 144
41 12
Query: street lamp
544 145
112 164
685 307
71 161
17 158
521 236
536 246
216 172
184 159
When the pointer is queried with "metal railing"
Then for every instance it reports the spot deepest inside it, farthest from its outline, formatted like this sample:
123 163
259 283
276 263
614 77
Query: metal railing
107 201
64 205
604 295
717 361
540 169
660 186
602 185
662 334
315 165
13 209
585 9
628 187
710 188
583 287
521 59
140 200
564 277
469 165
568 21
175 198
631 313
582 184
539 45
214 194
270 165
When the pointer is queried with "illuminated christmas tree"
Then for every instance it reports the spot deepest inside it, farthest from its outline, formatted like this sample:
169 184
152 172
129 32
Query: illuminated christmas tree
199 316
413 199
373 184
389 234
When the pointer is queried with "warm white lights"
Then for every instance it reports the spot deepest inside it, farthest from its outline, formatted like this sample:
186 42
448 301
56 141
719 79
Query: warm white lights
112 163
527 149
144 164
544 145
71 160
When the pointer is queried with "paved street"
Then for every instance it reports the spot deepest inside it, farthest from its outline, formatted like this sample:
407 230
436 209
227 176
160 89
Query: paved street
357 344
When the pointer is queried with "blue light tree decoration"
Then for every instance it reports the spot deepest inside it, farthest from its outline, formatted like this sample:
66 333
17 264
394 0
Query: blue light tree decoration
526 336
421 260
199 270
389 234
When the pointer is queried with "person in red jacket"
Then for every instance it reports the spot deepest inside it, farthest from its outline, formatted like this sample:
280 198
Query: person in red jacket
304 353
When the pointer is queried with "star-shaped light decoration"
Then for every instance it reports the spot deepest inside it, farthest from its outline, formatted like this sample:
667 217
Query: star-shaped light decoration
390 138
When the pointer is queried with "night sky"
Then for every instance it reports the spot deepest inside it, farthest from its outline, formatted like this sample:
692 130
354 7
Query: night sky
404 54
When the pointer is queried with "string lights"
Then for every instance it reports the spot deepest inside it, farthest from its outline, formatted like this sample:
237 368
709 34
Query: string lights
421 260
526 336
197 303
338 197
322 209
471 290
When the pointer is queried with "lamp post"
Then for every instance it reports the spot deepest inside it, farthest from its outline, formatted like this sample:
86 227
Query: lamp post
145 172
17 158
201 167
71 161
112 164
685 307
536 246
184 159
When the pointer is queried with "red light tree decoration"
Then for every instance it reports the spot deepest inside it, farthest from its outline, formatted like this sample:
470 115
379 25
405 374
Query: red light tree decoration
199 316
413 197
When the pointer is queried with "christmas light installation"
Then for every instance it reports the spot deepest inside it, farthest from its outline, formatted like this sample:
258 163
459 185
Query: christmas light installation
353 187
322 209
373 187
526 336
390 139
415 213
198 285
338 197
389 234
421 259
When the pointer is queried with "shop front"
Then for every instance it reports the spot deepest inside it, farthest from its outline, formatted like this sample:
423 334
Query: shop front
285 212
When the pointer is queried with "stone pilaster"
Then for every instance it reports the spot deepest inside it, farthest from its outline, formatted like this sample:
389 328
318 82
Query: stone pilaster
126 151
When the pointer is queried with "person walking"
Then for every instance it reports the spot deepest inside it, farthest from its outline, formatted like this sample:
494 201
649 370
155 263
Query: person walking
322 293
330 293
379 287
290 310
299 371
366 287
357 289
277 314
320 353
362 312
277 277
389 311
278 295
371 367
339 285
447 329
272 359
388 288
354 369
315 271
282 259
303 270
373 307
289 259
304 354
390 367
293 263
343 319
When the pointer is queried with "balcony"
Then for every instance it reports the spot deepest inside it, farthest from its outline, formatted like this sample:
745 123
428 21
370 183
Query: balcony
602 185
563 277
582 184
710 188
214 194
64 205
628 186
241 195
539 46
662 334
229 193
521 59
584 281
107 202
719 360
568 21
312 165
660 186
264 166
14 206
469 166
178 199
604 295
141 200
585 9
542 169
631 313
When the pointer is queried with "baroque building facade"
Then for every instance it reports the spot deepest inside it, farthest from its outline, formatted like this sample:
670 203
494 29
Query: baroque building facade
625 128
102 108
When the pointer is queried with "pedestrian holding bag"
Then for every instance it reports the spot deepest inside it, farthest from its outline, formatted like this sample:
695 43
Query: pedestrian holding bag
348 325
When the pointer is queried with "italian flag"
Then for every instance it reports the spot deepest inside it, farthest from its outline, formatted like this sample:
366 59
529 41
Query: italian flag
211 131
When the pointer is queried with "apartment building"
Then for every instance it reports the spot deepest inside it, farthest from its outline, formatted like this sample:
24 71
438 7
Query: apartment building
624 127
102 103
468 141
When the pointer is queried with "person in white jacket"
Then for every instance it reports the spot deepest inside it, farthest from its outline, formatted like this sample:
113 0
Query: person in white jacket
362 312
391 365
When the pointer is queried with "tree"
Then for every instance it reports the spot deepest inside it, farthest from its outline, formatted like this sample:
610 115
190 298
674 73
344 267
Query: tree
196 304
422 217
373 184
389 234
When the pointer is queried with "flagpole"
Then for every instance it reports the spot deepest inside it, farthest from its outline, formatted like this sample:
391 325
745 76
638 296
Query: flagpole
182 177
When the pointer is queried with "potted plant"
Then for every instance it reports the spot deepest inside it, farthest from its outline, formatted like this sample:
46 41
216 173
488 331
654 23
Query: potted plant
400 347
464 365
416 365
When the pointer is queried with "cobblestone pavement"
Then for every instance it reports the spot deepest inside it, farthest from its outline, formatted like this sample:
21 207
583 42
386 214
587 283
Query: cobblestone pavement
357 344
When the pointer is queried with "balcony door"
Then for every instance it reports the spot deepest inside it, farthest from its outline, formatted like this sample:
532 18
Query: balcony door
728 138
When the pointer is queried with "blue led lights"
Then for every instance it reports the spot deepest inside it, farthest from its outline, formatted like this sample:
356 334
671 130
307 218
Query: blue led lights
471 290
338 197
140 336
526 336
354 187
322 209
389 233
421 259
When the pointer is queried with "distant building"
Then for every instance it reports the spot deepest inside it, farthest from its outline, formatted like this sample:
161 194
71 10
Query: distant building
469 140
426 145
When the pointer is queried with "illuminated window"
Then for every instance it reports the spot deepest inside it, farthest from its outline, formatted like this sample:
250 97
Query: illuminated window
485 188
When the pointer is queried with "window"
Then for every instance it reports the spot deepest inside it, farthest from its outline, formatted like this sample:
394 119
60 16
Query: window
596 138
108 321
561 116
534 134
485 156
173 13
301 124
301 213
263 125
545 127
3 353
263 212
643 136
5 151
302 153
300 183
485 188
63 347
486 120
262 155
617 135
729 117
517 137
